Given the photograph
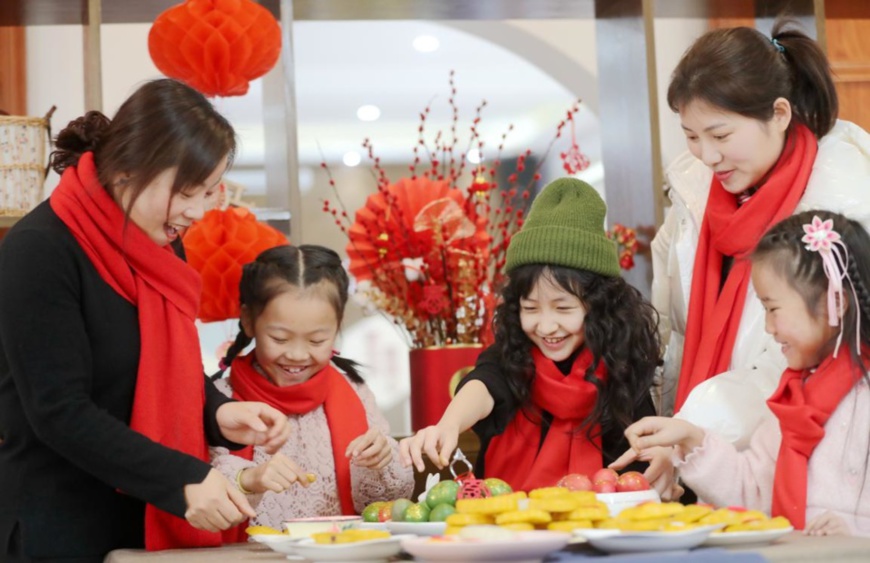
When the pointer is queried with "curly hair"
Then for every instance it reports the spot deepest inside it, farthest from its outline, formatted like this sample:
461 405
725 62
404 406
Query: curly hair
621 330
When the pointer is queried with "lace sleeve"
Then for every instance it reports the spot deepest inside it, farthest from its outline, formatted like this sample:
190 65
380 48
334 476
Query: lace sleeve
393 481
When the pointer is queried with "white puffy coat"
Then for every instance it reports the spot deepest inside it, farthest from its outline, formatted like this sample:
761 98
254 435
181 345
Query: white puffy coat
733 403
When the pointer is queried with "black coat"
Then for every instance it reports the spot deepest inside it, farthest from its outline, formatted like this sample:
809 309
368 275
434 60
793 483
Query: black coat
69 353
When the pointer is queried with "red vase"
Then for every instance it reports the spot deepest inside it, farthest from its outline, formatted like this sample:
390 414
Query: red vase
435 372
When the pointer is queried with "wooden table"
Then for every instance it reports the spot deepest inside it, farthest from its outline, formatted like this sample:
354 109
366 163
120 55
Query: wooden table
790 549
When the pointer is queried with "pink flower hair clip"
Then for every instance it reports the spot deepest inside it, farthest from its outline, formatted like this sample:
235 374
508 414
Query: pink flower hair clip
821 237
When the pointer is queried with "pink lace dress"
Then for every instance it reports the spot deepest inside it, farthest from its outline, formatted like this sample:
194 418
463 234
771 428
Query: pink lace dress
310 447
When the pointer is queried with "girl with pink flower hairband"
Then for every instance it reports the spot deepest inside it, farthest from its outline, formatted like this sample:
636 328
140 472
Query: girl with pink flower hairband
810 462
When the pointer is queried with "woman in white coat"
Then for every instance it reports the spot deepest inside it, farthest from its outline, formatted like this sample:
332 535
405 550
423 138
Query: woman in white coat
760 118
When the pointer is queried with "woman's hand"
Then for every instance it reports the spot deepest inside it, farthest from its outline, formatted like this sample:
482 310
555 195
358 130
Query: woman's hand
215 504
254 424
437 442
276 475
371 450
652 431
827 524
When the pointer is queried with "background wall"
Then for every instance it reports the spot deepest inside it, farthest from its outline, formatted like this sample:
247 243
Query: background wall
557 57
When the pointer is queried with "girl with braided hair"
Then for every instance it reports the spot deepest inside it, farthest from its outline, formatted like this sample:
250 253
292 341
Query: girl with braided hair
760 118
810 462
339 457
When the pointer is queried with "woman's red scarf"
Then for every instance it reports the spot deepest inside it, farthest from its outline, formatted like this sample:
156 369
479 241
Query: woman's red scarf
803 405
729 230
166 291
345 412
514 455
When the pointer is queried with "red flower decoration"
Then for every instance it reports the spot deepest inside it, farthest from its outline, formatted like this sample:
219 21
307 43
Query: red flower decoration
215 46
217 247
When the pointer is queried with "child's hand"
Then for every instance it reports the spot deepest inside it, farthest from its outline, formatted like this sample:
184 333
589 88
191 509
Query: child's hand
653 431
252 423
660 474
436 442
827 524
371 450
277 475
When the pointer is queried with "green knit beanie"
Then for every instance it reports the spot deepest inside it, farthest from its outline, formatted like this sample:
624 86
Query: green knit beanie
565 227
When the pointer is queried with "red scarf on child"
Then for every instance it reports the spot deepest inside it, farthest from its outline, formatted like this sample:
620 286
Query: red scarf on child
170 395
803 406
729 230
514 455
345 412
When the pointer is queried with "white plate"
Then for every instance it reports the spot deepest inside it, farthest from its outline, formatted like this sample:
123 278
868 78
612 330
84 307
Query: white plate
281 543
372 525
417 528
369 550
617 502
747 538
529 546
615 541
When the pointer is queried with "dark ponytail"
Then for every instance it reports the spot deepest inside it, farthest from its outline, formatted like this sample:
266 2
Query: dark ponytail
80 136
743 71
813 94
164 124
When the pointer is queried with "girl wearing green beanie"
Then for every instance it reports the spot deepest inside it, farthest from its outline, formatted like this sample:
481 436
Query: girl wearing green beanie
575 354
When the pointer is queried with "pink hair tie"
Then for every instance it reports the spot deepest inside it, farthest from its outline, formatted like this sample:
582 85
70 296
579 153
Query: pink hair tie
822 238
222 364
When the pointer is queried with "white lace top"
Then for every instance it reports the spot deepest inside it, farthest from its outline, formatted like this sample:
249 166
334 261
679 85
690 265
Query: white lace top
310 446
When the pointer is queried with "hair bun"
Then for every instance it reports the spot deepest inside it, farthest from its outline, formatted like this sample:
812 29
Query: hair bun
80 136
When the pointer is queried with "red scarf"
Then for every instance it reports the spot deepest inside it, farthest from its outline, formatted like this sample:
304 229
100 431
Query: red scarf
729 230
345 414
803 406
569 398
166 291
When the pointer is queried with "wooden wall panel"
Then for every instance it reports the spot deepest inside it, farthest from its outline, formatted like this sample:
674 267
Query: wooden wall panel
848 26
13 82
13 71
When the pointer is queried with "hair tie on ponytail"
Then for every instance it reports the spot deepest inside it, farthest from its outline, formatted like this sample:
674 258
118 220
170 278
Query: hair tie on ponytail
777 44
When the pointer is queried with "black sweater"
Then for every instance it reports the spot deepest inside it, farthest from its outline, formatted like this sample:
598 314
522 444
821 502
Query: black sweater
488 372
74 476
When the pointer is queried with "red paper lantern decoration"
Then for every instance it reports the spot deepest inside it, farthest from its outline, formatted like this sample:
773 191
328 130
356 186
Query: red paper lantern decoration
215 46
217 247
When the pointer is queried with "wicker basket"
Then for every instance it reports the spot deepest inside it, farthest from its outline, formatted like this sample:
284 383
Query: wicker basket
23 142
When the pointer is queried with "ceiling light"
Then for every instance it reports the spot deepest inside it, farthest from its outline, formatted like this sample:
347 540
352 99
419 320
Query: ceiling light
351 158
368 112
473 156
426 43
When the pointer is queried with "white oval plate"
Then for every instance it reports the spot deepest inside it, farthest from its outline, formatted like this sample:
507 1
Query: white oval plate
281 543
533 545
747 538
368 550
417 528
617 502
615 541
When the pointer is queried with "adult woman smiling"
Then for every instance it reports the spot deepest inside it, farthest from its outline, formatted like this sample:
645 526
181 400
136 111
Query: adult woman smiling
760 118
104 413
